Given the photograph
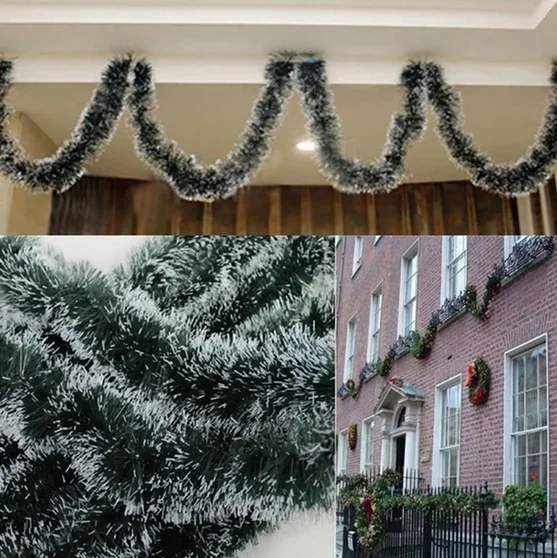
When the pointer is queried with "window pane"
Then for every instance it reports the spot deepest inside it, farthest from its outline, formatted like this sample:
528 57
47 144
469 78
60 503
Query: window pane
543 469
543 406
520 471
533 471
534 443
531 418
454 463
518 413
542 366
520 446
531 370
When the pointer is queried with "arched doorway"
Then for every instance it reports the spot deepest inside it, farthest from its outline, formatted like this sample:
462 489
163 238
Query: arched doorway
399 411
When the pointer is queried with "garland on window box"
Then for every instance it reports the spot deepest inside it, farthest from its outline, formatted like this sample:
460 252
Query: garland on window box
492 287
421 344
478 381
353 389
353 436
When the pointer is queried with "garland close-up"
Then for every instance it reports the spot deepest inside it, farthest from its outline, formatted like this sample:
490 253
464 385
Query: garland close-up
178 406
129 83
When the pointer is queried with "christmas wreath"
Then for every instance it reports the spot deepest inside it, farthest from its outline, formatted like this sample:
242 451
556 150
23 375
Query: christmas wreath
353 436
478 381
353 389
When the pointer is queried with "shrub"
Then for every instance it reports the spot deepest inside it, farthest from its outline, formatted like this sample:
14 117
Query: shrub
524 505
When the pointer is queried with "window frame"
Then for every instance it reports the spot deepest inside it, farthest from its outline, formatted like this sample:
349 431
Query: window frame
372 331
438 416
508 444
412 252
351 322
357 261
446 264
342 448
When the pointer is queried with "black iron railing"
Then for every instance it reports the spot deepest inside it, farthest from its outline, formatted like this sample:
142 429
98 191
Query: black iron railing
442 532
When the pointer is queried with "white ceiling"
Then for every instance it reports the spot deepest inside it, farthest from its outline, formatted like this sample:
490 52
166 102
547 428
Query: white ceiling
498 42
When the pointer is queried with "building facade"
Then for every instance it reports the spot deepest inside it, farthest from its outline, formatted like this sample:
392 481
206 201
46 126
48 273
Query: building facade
420 415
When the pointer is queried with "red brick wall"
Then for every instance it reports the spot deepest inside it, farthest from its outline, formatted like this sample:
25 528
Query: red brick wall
525 308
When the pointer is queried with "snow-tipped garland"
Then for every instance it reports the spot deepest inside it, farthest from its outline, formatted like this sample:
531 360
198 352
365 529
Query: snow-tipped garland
94 130
423 82
190 179
350 175
524 176
164 427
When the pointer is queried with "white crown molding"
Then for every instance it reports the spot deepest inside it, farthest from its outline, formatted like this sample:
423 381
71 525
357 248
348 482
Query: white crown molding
216 70
432 14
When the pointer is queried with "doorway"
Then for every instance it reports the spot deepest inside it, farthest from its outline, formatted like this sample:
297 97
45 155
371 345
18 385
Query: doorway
400 450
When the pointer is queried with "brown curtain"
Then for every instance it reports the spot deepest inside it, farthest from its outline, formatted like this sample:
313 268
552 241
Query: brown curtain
115 206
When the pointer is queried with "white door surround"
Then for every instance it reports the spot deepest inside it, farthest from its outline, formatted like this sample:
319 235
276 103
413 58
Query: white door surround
398 414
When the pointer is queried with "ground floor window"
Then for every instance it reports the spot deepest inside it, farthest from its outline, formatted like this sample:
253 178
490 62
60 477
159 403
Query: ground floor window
447 433
529 416
342 456
367 445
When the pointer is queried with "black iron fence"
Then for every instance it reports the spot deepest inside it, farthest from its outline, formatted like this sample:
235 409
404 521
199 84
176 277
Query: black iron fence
437 532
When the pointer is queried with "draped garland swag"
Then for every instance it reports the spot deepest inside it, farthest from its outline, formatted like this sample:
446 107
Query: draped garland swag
129 83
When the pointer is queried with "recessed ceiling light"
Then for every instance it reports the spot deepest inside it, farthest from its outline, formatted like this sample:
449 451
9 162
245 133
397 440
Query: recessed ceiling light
307 145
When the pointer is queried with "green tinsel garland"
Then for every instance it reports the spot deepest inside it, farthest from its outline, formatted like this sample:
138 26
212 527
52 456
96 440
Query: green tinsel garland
422 82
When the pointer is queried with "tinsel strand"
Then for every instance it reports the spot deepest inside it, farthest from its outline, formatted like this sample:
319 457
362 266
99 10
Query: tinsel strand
423 83
94 130
323 124
190 179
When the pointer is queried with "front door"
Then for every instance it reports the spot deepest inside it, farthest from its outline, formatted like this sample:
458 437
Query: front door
395 519
400 449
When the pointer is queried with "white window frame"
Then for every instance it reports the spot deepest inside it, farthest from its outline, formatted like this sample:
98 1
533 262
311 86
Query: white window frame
358 255
436 473
367 423
350 346
508 460
342 452
512 241
410 253
373 332
445 276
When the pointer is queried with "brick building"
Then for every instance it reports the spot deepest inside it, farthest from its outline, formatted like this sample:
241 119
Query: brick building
388 286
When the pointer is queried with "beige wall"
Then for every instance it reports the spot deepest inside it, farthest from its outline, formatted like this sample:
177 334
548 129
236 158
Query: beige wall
306 536
21 211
